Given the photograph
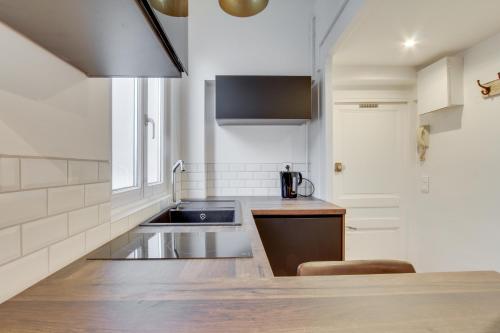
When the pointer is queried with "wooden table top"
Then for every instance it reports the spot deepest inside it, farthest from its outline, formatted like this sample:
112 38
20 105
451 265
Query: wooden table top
241 295
432 302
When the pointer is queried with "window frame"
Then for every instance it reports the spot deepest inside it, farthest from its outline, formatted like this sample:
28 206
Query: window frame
144 190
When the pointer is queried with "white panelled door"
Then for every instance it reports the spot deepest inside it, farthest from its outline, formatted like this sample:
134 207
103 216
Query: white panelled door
368 152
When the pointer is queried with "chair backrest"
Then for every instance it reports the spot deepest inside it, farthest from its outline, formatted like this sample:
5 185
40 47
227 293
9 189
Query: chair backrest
354 267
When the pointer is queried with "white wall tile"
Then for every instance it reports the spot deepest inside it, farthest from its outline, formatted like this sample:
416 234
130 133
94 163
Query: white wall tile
44 232
82 172
245 175
9 174
66 251
64 199
237 167
230 175
104 171
97 236
221 167
229 191
10 244
268 183
221 183
22 273
245 191
105 212
252 183
236 183
253 167
119 227
18 207
37 173
260 191
263 175
270 167
83 219
97 193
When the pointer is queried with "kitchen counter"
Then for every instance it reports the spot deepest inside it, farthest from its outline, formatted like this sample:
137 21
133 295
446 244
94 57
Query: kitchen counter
241 295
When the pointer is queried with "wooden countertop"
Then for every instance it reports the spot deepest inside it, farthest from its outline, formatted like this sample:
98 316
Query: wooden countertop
241 295
434 302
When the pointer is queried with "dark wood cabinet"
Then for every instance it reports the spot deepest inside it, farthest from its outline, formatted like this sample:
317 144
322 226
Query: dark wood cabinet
292 240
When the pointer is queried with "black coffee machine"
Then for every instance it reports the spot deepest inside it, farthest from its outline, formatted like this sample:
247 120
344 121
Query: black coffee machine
290 182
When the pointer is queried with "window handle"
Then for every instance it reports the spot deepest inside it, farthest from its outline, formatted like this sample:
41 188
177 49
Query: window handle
149 120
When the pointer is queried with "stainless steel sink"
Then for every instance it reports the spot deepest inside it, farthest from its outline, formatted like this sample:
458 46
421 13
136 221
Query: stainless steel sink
199 212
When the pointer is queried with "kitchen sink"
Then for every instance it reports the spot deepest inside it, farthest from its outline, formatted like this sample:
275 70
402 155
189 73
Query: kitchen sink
199 212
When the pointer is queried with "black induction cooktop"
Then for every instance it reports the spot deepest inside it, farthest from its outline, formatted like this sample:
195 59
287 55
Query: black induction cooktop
175 245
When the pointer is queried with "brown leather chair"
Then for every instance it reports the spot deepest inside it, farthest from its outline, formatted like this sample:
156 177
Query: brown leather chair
354 267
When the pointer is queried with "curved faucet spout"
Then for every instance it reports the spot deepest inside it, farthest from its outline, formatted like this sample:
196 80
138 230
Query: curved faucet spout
178 164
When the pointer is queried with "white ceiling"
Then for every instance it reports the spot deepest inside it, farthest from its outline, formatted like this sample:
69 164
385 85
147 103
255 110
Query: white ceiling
441 27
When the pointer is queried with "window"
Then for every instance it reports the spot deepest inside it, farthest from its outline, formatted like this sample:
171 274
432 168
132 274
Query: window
124 133
138 134
155 138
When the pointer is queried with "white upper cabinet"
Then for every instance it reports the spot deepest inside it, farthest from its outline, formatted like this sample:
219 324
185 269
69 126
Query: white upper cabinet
440 85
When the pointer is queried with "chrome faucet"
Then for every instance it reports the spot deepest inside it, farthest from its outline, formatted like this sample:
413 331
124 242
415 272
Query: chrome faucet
179 163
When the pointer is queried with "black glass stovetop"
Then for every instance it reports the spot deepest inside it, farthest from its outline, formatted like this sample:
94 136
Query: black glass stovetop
175 245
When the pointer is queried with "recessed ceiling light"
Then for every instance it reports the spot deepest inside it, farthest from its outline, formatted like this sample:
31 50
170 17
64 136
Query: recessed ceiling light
410 43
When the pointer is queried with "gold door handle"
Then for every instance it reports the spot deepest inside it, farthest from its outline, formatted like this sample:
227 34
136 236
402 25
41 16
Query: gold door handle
339 167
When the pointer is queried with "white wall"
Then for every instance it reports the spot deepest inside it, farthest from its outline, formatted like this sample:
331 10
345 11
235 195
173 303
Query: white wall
457 224
49 108
274 42
331 20
54 163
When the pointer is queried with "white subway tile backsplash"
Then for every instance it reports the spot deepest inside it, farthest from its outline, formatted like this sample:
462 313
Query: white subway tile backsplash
119 227
260 191
245 192
18 207
221 167
97 236
253 183
10 244
42 203
64 199
97 193
9 174
245 175
263 175
105 212
274 192
221 183
66 251
37 173
252 167
270 167
230 175
237 167
22 273
229 191
82 172
104 171
41 233
236 183
83 219
269 183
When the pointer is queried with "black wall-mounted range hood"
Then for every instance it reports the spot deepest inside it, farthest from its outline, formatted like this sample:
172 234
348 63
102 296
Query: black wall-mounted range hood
103 38
262 100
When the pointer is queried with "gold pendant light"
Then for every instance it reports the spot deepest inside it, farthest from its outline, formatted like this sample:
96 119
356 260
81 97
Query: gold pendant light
243 8
177 8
